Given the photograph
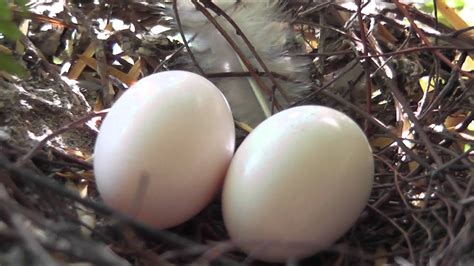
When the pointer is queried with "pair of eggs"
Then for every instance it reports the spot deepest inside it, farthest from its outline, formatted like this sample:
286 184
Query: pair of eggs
295 185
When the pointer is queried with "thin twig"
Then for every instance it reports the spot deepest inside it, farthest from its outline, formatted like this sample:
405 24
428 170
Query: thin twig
251 48
238 51
57 132
365 63
404 234
183 37
428 43
46 183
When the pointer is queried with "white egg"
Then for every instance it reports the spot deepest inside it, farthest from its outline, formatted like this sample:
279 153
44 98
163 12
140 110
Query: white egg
164 148
297 183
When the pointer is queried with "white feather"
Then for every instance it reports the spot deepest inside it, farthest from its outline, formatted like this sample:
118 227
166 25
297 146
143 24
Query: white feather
265 25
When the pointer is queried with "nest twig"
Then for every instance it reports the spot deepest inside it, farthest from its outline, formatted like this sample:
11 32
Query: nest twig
421 207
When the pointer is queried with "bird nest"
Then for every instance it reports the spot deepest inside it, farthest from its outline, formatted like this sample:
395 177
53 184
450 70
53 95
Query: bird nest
403 76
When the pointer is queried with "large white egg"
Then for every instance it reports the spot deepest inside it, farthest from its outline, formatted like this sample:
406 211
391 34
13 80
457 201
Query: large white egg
297 183
164 148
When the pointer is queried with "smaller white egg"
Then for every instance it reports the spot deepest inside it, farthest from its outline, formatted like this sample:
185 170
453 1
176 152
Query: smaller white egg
164 148
297 183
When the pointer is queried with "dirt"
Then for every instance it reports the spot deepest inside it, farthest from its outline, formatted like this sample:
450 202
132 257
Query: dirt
31 109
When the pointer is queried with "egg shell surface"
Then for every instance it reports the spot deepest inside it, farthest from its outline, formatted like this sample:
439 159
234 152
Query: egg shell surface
164 147
297 183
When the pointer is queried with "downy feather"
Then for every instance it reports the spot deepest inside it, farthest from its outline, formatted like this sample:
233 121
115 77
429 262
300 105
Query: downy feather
265 24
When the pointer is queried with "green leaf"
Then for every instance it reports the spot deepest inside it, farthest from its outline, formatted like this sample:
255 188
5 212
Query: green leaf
7 27
5 13
9 30
21 3
8 64
456 4
428 7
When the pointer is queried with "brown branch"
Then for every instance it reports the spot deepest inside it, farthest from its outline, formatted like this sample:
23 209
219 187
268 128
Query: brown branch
380 125
411 115
403 232
15 221
428 43
102 65
447 88
413 50
396 180
365 63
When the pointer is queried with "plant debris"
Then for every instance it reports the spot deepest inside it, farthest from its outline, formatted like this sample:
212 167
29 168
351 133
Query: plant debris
403 76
